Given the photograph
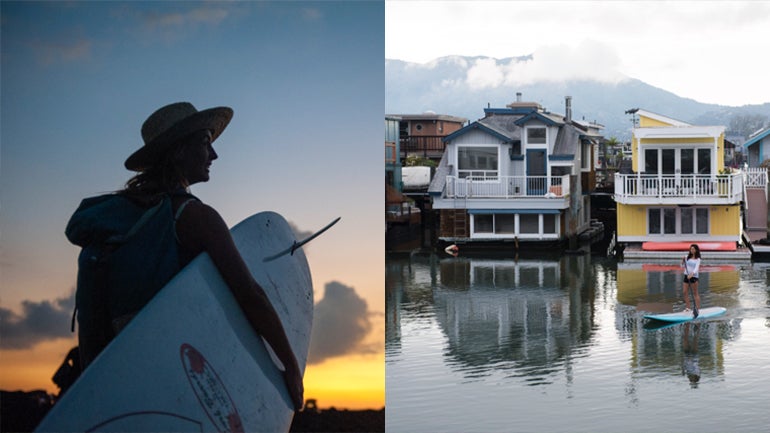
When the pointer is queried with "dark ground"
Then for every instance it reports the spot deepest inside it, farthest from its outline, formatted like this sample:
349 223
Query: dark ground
22 411
332 420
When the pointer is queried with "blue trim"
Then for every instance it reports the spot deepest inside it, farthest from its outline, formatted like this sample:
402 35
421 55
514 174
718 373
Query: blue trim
517 110
757 138
476 126
561 157
535 116
513 211
517 157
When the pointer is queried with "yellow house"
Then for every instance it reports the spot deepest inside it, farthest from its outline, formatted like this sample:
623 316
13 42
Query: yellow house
679 191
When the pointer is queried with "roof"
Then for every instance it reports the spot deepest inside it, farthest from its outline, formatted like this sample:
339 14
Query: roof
549 120
480 126
507 125
757 138
660 117
427 116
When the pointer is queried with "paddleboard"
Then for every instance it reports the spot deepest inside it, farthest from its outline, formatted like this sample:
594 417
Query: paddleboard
190 361
704 313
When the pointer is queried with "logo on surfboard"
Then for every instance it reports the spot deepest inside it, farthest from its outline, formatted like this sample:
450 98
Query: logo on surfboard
210 390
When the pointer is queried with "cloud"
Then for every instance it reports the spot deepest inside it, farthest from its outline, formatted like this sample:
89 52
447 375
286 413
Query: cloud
193 17
311 14
38 322
62 51
299 234
589 60
176 25
341 322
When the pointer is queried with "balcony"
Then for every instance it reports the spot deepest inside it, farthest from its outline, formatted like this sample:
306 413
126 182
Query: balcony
672 189
506 187
429 146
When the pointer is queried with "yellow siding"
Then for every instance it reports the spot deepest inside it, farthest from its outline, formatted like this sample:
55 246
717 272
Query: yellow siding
685 140
634 154
646 122
632 220
725 221
632 285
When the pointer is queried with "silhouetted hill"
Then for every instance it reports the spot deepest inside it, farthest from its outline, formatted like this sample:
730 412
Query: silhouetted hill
442 86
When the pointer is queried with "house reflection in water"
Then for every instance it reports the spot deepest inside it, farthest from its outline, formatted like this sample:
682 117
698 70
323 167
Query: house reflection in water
536 320
530 317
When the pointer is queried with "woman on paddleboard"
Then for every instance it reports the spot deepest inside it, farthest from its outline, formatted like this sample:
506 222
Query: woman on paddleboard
691 265
177 153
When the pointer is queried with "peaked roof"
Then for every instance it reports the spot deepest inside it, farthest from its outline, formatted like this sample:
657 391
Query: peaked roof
757 138
477 125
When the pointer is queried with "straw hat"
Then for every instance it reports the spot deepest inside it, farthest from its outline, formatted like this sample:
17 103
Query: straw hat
172 122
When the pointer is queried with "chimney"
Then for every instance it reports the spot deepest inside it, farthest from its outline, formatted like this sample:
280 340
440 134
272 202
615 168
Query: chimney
568 114
518 96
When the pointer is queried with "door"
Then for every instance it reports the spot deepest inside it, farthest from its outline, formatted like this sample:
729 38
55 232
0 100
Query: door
536 172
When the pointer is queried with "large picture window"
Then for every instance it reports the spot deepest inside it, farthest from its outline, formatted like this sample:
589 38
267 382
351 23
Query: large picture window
477 161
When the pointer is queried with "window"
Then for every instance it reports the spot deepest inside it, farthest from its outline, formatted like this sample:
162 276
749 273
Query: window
483 223
509 225
536 136
687 221
529 223
672 221
704 161
549 223
653 221
585 156
702 220
651 161
477 161
505 224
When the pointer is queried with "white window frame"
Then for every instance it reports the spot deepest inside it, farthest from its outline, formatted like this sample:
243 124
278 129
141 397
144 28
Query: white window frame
489 175
678 219
540 235
532 145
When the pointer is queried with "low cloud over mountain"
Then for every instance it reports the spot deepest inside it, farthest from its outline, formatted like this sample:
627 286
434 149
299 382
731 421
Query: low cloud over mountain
464 86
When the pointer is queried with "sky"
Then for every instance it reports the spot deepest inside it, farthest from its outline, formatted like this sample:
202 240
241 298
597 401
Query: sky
710 51
305 81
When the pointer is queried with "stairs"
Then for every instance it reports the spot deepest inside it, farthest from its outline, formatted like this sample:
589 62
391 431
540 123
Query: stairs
756 214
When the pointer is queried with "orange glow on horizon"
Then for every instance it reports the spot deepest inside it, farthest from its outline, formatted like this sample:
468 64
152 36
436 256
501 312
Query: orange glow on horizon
353 382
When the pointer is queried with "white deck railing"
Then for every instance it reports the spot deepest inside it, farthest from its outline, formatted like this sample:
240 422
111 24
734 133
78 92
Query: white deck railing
694 189
507 186
756 177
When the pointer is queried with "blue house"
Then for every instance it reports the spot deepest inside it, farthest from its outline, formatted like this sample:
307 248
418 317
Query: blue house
758 147
521 173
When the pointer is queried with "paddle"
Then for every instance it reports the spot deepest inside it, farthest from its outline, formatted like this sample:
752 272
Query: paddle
297 244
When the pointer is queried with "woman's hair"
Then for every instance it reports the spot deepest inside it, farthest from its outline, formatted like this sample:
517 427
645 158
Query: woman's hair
162 177
697 251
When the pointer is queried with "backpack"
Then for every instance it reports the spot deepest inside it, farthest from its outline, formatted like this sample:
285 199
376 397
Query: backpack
129 253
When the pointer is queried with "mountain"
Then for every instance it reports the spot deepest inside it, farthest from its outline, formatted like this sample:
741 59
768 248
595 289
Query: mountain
444 86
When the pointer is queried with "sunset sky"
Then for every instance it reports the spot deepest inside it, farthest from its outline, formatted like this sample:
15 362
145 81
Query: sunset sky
306 83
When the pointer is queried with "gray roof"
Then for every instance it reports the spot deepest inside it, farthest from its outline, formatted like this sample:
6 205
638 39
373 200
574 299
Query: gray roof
504 125
439 177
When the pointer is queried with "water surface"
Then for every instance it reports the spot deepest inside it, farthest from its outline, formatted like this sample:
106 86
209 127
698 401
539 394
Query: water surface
498 344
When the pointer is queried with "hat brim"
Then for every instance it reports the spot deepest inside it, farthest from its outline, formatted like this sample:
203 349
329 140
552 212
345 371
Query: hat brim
214 119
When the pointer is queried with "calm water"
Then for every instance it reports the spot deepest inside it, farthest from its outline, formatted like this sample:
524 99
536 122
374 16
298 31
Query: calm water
491 344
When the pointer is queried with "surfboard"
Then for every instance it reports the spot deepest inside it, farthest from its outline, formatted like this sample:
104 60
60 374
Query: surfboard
681 316
190 361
